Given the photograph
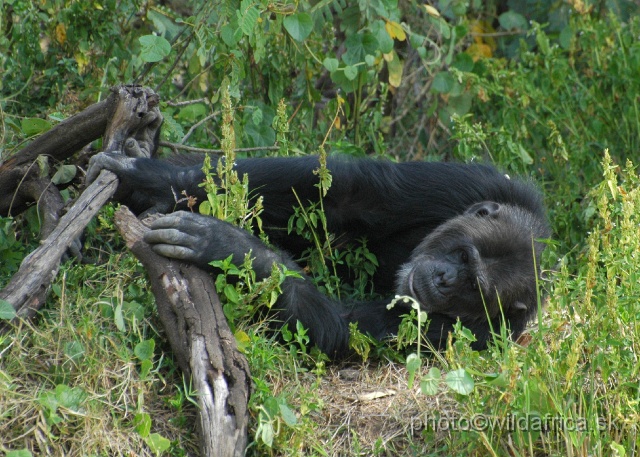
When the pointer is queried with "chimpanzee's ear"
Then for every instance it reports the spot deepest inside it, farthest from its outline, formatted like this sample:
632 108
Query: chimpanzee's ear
484 209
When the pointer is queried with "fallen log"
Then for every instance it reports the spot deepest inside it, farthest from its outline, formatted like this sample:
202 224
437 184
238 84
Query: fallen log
201 341
28 288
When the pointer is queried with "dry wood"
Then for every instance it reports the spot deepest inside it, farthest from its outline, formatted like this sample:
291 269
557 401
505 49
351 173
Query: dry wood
130 115
28 287
201 340
129 118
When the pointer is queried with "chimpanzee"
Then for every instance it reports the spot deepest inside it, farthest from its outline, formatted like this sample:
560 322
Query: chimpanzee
463 240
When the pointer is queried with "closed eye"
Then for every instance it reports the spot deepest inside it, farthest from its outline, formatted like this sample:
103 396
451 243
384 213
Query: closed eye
464 256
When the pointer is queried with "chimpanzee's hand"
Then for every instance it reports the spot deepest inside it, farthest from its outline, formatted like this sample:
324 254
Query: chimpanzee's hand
201 239
146 185
112 161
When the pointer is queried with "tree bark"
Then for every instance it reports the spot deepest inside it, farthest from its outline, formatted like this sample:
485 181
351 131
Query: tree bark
129 118
202 343
28 288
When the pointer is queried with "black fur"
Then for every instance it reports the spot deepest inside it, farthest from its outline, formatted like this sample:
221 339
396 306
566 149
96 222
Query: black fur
458 238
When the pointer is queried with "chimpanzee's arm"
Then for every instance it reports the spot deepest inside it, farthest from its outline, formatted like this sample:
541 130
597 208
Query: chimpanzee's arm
199 240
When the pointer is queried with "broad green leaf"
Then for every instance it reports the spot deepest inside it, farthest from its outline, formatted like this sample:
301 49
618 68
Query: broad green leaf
261 134
227 33
70 398
460 381
19 453
443 82
154 48
429 384
34 126
416 40
64 174
142 423
463 62
145 368
511 20
358 46
524 155
242 340
119 318
267 433
74 350
440 26
330 64
256 116
192 113
231 293
350 72
7 312
298 25
413 365
379 31
157 443
289 416
144 349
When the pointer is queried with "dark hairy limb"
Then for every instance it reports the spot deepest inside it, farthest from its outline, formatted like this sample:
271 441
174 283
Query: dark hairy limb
200 239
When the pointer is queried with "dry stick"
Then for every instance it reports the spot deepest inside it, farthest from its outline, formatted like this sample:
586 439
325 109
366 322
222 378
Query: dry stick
201 341
28 287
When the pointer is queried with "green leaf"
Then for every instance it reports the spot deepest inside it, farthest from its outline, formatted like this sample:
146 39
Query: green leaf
248 20
231 293
144 349
70 398
440 26
119 318
460 381
330 64
154 48
358 46
289 416
257 116
413 365
512 20
34 126
19 453
266 433
7 312
227 33
157 443
142 423
145 368
298 25
443 82
524 155
463 62
429 384
385 42
64 174
350 72
74 350
416 40
192 113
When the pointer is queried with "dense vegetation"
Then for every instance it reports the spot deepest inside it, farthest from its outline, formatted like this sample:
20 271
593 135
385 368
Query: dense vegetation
540 88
